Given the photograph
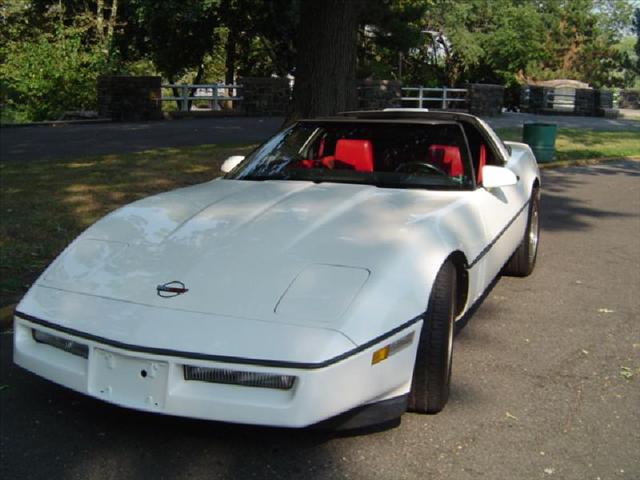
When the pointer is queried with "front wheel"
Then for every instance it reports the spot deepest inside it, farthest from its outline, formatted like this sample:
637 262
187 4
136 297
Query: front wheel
432 371
523 260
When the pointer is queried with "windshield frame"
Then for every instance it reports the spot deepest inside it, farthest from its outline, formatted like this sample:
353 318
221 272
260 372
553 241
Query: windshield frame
336 176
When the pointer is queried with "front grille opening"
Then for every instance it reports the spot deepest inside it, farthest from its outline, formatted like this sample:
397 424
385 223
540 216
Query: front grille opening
69 346
237 377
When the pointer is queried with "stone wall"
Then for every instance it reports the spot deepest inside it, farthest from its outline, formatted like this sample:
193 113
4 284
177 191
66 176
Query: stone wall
604 99
629 99
604 104
537 98
379 94
585 103
129 98
265 96
485 99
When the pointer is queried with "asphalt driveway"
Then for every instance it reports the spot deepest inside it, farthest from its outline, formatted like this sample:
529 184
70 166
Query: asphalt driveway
538 384
81 140
73 140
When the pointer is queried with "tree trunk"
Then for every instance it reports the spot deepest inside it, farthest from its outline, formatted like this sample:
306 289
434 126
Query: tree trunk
327 52
100 18
230 61
113 16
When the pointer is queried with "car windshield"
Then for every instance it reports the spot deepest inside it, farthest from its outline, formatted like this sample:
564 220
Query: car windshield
385 154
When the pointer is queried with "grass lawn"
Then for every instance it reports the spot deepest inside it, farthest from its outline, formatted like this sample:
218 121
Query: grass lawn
577 144
44 205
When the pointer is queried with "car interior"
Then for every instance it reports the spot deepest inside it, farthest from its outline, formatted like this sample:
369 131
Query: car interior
409 150
445 154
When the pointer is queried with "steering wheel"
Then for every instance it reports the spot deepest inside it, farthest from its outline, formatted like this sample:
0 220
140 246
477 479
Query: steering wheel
415 166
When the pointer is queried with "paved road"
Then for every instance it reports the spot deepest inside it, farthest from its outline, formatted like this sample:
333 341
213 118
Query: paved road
72 141
511 119
537 391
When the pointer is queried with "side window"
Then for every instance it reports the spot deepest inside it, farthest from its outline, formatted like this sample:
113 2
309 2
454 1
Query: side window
482 152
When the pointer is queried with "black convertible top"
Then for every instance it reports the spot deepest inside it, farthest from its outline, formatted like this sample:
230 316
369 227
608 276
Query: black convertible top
416 115
404 115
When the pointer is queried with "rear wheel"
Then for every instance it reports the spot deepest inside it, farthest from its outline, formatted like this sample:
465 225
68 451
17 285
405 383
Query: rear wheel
523 260
432 371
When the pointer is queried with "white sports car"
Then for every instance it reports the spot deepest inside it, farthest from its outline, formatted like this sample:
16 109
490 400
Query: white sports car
319 280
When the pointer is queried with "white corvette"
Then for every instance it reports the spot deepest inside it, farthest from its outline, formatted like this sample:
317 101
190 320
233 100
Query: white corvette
319 279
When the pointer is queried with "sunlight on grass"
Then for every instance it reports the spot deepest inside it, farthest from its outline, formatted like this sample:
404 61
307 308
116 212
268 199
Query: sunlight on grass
80 165
575 144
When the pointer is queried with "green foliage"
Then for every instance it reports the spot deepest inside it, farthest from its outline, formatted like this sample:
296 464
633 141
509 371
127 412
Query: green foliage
636 28
503 41
175 34
260 35
390 29
51 51
49 71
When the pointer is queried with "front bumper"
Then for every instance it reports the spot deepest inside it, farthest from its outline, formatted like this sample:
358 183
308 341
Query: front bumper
156 383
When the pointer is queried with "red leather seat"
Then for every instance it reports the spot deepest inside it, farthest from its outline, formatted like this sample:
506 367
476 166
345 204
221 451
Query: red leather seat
303 164
354 153
447 158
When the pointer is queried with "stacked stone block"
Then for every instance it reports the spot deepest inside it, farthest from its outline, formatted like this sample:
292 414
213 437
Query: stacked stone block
129 98
604 104
585 102
265 96
629 99
538 98
379 94
485 99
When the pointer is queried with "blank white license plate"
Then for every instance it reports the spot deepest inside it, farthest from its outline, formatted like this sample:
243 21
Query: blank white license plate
129 381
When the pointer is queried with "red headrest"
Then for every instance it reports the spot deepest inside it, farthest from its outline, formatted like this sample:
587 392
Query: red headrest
447 157
358 153
482 160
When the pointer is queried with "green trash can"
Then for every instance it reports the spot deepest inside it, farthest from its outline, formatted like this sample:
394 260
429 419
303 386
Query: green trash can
541 137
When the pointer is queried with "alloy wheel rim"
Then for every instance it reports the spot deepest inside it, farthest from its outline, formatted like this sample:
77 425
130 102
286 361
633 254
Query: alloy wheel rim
450 339
533 234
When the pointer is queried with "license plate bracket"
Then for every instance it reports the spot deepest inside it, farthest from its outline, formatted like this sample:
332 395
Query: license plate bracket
128 380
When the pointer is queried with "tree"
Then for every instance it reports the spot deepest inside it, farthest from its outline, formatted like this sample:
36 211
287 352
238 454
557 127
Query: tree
259 36
636 27
176 34
51 69
327 52
389 31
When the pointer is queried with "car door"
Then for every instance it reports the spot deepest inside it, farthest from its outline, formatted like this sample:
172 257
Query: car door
503 212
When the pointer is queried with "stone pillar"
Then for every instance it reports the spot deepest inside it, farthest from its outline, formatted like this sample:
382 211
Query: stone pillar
379 94
629 99
129 98
538 97
485 99
265 96
585 103
604 104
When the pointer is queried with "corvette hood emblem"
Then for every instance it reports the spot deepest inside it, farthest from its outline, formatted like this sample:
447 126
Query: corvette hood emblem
171 289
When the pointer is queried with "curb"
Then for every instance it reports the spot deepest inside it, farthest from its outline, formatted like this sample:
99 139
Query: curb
583 162
6 316
56 123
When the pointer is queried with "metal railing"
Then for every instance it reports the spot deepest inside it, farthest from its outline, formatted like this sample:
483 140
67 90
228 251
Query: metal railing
444 97
210 92
559 101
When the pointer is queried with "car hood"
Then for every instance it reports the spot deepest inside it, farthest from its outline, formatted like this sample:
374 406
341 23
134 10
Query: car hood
281 251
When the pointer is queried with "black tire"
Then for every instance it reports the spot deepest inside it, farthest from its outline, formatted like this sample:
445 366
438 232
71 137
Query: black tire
432 371
523 260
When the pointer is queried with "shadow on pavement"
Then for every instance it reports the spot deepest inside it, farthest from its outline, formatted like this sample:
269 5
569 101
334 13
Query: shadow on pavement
561 209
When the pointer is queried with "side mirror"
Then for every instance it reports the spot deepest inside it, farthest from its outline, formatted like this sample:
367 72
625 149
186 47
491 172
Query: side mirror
231 163
496 177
